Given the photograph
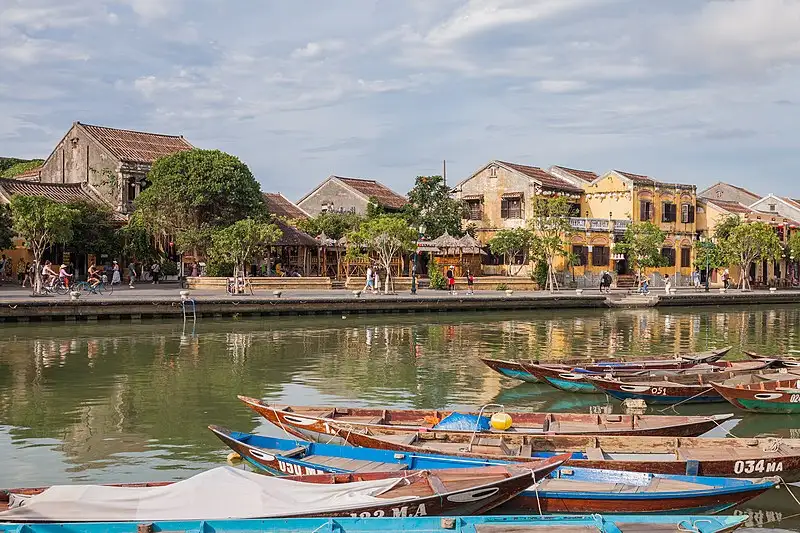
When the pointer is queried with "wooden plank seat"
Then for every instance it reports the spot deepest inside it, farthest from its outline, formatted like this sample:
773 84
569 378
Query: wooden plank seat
293 452
523 528
595 454
355 465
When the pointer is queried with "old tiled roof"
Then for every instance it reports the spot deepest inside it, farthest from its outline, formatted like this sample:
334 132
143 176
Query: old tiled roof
791 201
547 180
278 204
640 179
29 175
293 236
372 189
750 193
586 175
58 192
137 146
731 207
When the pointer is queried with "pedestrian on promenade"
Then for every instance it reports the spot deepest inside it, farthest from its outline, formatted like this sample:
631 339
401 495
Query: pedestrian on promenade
605 282
470 283
696 278
451 280
28 275
3 268
131 273
155 271
116 277
376 278
369 282
20 270
726 276
667 283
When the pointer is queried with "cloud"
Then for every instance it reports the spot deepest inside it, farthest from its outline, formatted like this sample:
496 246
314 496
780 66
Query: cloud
560 86
314 50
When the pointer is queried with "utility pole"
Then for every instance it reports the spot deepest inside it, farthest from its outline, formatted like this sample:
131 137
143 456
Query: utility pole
444 171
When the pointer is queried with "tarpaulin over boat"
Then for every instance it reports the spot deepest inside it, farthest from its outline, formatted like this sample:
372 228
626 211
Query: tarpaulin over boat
216 494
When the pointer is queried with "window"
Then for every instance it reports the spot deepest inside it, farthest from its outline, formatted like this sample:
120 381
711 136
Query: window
474 210
687 213
511 208
669 256
582 252
492 172
600 256
669 212
686 257
645 210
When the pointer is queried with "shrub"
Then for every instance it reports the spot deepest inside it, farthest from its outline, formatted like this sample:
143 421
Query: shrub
502 287
436 278
540 274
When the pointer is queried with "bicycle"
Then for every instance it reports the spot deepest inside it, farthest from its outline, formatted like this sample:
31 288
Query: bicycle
58 287
101 288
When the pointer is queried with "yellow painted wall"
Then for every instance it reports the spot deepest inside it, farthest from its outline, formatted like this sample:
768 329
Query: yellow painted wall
610 197
20 252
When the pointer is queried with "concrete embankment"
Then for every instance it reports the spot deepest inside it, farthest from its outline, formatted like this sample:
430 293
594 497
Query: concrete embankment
168 304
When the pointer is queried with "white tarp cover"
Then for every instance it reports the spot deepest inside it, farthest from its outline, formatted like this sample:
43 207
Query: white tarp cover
220 493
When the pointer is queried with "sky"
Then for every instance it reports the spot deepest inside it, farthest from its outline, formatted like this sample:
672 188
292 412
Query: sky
687 91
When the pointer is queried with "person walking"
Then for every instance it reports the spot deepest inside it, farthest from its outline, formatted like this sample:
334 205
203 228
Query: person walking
451 281
3 268
155 271
116 276
726 276
28 275
376 281
605 282
131 273
667 284
369 281
20 270
696 278
470 283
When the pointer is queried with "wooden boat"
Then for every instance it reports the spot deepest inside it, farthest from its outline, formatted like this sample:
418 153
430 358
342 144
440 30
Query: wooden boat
577 379
464 524
419 493
672 389
779 396
658 455
311 422
566 490
517 370
787 361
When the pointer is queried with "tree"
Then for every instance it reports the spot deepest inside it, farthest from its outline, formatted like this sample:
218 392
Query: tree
192 193
6 228
510 243
334 225
94 231
14 167
642 245
386 236
550 225
430 205
137 241
748 243
241 241
725 226
41 222
792 247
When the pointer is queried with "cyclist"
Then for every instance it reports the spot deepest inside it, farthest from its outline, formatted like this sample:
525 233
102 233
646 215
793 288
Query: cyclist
94 276
64 276
48 274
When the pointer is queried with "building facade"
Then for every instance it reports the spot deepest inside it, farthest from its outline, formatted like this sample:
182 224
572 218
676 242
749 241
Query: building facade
341 194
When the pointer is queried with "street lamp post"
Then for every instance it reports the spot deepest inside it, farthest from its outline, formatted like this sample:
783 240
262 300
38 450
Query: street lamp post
420 233
707 246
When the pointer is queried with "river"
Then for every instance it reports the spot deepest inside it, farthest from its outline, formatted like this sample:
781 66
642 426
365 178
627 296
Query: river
124 402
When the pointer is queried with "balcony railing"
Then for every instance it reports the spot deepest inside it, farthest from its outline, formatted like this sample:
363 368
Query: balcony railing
599 224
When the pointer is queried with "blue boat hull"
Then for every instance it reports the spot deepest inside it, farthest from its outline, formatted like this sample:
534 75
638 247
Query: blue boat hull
700 524
665 400
567 385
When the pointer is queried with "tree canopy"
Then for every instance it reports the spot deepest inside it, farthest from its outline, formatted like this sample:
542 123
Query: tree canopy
642 243
431 206
334 225
192 193
749 242
6 228
41 222
10 167
94 231
550 225
243 240
510 243
385 237
724 227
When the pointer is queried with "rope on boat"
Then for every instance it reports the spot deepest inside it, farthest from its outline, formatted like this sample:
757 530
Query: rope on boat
686 400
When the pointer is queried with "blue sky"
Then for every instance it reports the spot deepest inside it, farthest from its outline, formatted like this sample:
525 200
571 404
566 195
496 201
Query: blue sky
682 90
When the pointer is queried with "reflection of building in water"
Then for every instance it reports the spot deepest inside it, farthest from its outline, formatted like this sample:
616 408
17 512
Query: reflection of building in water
237 345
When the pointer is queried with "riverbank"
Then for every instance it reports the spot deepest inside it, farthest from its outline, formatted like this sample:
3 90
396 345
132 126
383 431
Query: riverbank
154 302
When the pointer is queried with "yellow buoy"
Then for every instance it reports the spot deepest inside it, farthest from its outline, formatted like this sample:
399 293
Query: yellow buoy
234 457
501 421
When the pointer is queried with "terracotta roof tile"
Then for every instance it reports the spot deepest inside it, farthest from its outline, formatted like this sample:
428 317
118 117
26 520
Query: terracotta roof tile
29 175
58 192
750 193
641 179
137 146
791 201
371 188
278 204
547 180
731 207
586 175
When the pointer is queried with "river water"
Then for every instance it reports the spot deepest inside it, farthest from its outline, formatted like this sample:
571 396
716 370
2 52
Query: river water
123 402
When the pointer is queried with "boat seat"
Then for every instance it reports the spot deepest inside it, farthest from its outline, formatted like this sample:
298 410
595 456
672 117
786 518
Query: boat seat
408 439
595 454
377 420
294 452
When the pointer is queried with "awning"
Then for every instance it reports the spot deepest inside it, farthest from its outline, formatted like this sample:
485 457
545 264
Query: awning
473 197
425 246
618 257
515 194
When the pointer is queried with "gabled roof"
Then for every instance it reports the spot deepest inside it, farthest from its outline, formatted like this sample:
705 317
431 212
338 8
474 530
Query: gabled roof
278 204
366 189
788 202
58 192
292 236
730 207
136 146
33 174
547 180
749 193
586 175
792 202
647 181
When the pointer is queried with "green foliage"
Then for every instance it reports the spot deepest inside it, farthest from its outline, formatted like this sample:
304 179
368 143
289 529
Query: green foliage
642 244
501 287
386 237
192 193
241 241
41 222
511 242
724 227
334 225
93 231
540 274
6 228
436 277
17 167
793 246
137 241
550 225
217 268
708 250
430 205
169 268
749 242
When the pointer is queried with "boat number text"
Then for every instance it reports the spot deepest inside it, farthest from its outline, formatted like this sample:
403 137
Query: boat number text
297 470
752 465
661 391
794 398
405 510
